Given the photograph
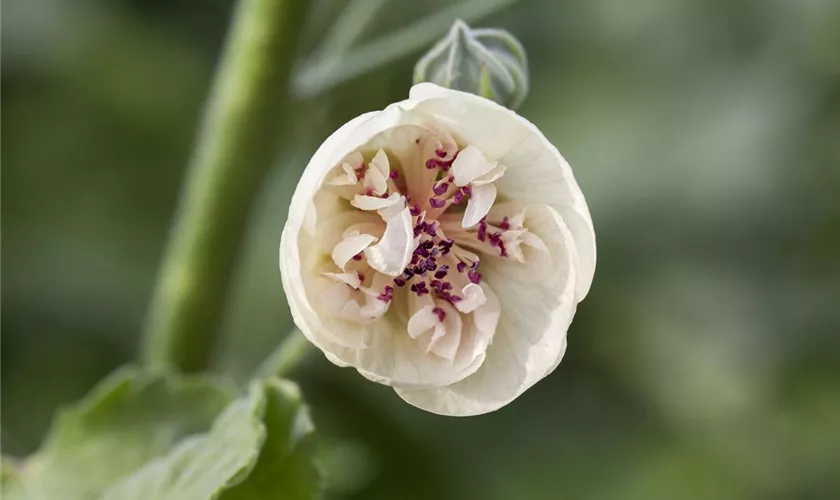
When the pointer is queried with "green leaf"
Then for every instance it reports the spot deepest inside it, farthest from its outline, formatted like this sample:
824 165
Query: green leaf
127 419
201 466
285 470
259 447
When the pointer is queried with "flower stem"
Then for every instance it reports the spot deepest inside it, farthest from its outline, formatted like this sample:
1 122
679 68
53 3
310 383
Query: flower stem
238 141
286 357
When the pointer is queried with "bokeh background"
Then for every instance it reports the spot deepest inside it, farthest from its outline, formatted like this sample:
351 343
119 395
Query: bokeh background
704 364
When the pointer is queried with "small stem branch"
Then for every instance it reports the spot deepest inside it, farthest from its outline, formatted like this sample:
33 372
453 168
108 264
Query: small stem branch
323 72
286 357
237 143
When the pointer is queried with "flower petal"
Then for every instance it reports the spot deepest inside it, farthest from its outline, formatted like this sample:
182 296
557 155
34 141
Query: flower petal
350 246
530 339
479 204
393 252
537 172
470 165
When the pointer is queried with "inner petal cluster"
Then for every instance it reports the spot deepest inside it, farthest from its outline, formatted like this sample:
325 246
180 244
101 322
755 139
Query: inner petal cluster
427 217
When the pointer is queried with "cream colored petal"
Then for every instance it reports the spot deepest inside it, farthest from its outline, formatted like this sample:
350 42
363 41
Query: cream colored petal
365 202
479 204
350 246
537 172
470 164
529 342
394 250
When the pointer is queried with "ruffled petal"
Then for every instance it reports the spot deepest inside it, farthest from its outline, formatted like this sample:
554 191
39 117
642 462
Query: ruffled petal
537 172
530 339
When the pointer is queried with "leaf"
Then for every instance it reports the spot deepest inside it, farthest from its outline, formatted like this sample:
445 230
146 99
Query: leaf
201 466
285 470
259 447
129 418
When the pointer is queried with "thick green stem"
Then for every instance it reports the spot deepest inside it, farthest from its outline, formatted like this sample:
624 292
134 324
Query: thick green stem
237 143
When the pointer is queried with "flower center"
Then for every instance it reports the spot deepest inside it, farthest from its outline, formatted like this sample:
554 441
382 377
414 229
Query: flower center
426 215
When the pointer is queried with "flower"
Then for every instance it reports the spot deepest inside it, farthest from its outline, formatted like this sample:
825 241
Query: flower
439 246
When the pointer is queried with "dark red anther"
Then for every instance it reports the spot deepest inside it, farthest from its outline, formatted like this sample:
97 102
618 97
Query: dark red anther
459 196
440 153
358 256
360 275
441 272
414 210
440 188
386 295
461 266
430 229
482 230
474 276
436 203
441 314
399 281
505 224
394 174
467 189
431 163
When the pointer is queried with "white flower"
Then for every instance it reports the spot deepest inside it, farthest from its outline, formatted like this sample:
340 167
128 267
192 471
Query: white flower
439 246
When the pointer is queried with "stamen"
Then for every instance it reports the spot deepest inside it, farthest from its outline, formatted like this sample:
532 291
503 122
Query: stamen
441 314
461 266
505 224
473 273
419 288
440 188
436 203
358 256
386 294
394 174
441 272
441 153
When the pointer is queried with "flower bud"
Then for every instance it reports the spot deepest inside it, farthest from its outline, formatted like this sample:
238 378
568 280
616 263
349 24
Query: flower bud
488 62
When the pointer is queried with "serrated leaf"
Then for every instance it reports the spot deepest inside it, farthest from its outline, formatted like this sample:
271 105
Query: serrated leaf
285 469
127 419
200 467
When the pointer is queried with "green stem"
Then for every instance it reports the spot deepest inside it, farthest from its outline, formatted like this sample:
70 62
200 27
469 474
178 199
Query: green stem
238 141
286 357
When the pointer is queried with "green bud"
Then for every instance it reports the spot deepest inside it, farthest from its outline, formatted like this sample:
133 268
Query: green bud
488 62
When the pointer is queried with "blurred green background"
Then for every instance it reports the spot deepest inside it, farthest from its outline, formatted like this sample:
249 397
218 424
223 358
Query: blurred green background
704 364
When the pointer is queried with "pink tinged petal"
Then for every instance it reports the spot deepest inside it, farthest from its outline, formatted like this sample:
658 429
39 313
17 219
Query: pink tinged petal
472 298
350 246
479 204
470 165
393 251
